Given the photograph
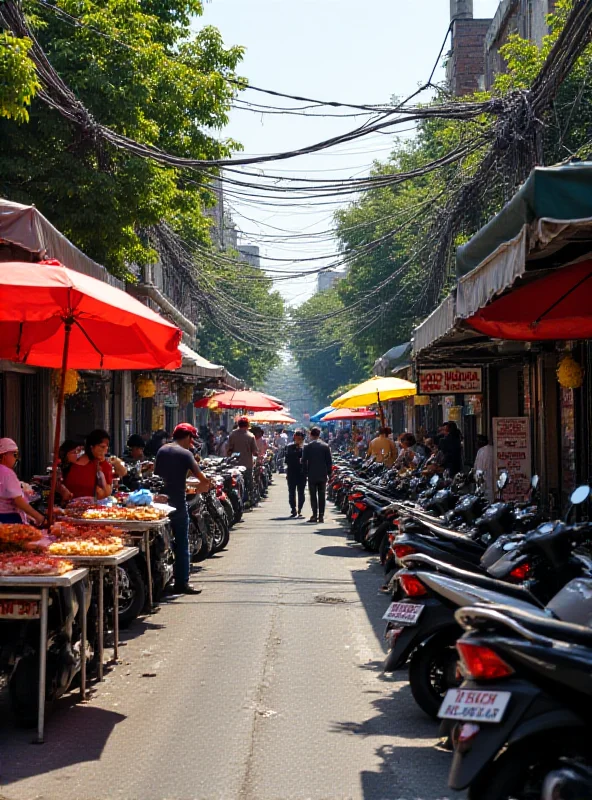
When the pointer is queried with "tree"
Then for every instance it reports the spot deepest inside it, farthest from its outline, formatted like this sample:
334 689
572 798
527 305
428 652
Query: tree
18 79
139 70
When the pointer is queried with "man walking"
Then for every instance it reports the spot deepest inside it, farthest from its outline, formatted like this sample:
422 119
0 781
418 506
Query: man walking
317 464
243 442
295 474
173 462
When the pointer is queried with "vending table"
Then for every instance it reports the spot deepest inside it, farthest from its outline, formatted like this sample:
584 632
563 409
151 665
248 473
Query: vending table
37 601
100 564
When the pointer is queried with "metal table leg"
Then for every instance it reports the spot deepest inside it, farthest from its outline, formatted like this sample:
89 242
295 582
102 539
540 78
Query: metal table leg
42 664
101 620
83 637
148 567
115 613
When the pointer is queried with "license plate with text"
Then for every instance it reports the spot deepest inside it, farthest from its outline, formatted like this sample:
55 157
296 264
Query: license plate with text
404 613
474 705
19 609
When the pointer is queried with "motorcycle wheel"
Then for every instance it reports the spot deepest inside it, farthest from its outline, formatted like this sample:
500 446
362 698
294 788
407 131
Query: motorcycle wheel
23 691
132 593
207 539
237 508
514 776
221 536
432 671
229 510
384 548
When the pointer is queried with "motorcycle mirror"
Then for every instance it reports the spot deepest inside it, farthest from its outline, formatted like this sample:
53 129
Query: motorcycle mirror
434 480
579 495
236 455
535 481
503 480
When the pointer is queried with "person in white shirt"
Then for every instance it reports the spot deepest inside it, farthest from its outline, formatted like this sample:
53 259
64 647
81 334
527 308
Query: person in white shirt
484 462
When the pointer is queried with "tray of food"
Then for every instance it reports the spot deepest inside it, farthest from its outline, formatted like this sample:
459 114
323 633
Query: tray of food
120 515
18 564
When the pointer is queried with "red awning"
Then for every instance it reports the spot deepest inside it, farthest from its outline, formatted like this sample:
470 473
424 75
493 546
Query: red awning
558 306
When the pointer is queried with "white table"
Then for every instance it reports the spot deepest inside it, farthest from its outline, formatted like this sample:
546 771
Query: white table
40 586
135 529
100 563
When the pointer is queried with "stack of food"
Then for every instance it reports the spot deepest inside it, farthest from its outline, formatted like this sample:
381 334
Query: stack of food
84 540
129 514
13 564
18 537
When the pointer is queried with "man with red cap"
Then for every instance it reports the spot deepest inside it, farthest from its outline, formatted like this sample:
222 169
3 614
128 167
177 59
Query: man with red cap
243 442
173 462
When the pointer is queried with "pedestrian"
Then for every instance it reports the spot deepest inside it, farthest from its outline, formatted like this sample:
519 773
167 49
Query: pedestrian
451 448
91 475
407 458
317 464
382 448
295 475
222 442
242 441
484 462
173 462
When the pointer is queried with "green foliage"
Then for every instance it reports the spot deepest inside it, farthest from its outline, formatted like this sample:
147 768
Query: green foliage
316 344
220 346
18 78
148 77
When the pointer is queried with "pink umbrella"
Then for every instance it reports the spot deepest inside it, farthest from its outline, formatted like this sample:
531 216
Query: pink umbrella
242 398
349 413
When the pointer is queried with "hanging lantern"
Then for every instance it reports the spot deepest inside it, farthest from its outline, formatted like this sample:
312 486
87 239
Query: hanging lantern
70 384
569 373
145 387
421 400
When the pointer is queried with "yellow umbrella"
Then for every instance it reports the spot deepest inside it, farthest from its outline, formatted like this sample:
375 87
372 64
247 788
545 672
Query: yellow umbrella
375 390
279 417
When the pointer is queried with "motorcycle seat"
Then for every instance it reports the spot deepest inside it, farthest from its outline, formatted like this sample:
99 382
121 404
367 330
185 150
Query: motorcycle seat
537 621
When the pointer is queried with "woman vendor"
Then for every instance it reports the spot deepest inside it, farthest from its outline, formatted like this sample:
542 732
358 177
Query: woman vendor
13 506
91 475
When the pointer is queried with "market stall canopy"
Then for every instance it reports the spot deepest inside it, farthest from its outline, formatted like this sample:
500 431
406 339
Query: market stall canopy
557 306
320 414
245 399
548 223
25 227
275 399
349 413
200 366
273 417
375 390
109 329
397 356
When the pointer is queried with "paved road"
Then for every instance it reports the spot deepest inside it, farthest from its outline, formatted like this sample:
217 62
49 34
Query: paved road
265 687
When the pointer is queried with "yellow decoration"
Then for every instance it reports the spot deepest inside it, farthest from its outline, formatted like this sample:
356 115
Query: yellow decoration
158 418
145 387
421 400
569 373
71 382
185 395
213 404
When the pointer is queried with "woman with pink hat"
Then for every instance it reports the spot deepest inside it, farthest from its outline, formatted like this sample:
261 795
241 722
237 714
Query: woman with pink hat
13 506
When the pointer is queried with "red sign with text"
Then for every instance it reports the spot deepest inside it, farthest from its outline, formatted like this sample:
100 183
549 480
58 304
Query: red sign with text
511 451
451 380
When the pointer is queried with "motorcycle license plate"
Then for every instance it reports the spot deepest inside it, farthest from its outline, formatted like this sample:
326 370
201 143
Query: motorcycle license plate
404 613
470 705
19 609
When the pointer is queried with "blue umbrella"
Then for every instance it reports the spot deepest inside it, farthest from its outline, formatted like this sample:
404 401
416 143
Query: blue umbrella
320 414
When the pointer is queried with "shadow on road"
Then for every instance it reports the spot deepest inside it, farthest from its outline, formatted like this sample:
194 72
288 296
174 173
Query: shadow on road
74 734
342 551
399 767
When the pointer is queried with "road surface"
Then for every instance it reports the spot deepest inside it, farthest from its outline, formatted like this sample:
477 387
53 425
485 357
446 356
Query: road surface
267 686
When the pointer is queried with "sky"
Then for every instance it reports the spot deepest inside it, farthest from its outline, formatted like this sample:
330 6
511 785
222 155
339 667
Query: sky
344 50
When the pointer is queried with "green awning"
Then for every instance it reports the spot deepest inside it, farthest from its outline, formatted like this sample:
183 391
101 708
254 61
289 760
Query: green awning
558 193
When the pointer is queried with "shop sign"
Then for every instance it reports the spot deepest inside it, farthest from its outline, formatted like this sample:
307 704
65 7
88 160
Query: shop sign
171 401
450 380
511 452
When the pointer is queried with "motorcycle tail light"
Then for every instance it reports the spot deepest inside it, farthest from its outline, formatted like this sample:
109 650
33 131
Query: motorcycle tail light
361 506
412 586
392 537
481 663
521 572
337 486
401 550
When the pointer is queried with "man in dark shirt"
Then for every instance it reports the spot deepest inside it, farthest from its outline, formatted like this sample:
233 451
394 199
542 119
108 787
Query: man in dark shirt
295 474
317 464
173 462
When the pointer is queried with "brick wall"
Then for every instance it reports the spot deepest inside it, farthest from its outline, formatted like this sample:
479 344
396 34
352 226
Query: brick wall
466 65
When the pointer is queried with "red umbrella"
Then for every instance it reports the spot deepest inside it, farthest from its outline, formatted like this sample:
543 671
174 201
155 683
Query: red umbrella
558 306
242 398
51 316
349 413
